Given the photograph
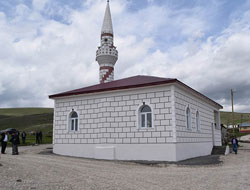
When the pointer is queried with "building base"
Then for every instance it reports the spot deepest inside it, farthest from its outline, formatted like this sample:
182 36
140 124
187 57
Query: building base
150 152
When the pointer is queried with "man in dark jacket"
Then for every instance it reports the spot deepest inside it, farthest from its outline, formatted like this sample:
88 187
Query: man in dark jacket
18 139
4 140
14 140
235 145
23 137
37 137
40 137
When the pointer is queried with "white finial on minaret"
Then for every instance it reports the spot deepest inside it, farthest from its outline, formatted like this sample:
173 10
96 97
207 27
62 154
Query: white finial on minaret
107 55
107 21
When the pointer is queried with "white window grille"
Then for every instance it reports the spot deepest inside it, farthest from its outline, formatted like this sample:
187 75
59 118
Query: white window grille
145 117
73 121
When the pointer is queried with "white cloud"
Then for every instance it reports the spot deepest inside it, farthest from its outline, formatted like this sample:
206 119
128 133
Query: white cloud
39 4
40 56
150 1
212 67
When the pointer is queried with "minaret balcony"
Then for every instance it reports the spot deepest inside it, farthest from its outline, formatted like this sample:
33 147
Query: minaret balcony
107 51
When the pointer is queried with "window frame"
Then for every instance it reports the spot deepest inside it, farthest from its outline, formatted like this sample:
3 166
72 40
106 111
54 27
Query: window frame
188 118
139 116
197 121
145 114
75 120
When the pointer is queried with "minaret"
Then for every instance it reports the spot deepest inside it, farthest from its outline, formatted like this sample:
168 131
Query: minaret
107 55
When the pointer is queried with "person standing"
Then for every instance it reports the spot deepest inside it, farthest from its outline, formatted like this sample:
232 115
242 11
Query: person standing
4 140
24 137
40 137
235 145
14 141
37 137
18 139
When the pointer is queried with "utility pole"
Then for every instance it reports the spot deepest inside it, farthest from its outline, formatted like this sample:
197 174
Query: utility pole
232 98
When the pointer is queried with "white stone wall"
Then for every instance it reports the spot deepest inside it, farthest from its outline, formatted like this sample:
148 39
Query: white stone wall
158 152
192 142
111 118
183 99
108 125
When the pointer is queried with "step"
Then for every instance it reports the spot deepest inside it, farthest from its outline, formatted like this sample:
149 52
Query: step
219 150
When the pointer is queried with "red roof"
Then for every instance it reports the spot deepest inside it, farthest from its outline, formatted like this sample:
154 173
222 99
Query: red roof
126 83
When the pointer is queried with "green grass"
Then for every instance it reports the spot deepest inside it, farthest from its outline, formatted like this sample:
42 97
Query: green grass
24 111
29 120
31 139
226 118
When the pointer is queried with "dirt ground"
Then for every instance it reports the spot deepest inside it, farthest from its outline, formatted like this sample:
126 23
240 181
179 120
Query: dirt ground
37 168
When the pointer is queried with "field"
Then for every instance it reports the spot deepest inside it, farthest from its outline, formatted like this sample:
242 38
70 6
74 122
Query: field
41 119
29 120
226 118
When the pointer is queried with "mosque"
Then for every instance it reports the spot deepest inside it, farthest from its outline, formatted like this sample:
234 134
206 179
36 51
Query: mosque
135 118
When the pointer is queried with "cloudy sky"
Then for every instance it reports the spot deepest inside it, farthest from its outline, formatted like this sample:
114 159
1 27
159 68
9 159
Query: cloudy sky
48 46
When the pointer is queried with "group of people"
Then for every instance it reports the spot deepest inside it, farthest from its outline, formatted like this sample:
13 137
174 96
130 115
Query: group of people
14 139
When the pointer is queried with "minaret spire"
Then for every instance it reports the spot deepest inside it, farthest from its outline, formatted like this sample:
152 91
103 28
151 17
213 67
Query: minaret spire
107 55
107 21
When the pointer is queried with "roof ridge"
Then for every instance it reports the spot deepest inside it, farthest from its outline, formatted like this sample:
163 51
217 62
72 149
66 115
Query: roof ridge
129 82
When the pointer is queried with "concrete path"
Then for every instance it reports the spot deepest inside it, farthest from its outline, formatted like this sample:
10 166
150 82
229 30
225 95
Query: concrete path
245 138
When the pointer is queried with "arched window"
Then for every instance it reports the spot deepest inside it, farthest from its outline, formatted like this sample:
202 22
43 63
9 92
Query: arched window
145 116
73 121
188 118
197 120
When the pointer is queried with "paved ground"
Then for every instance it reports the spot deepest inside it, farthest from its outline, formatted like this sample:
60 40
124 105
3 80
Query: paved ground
37 168
245 138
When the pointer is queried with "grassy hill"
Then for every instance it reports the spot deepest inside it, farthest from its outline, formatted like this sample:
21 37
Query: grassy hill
226 118
41 119
29 120
24 111
32 119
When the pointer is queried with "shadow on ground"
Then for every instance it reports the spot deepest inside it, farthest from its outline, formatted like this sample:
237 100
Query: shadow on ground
198 161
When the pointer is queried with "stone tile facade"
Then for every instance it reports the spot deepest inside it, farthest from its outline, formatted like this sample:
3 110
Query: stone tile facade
112 117
109 129
206 114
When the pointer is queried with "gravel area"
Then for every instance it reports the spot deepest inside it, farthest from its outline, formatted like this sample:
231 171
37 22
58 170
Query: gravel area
245 138
37 168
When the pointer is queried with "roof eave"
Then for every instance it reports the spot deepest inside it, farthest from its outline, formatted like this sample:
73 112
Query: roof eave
171 81
200 94
112 89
